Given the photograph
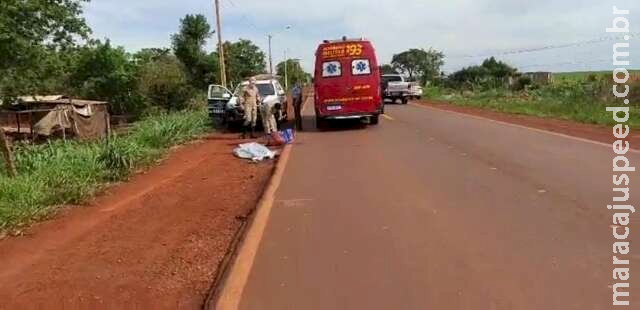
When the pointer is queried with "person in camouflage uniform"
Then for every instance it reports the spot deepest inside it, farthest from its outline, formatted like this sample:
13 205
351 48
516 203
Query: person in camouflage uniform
250 101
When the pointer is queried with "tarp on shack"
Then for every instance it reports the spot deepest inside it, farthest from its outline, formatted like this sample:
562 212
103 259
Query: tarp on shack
86 119
90 121
54 120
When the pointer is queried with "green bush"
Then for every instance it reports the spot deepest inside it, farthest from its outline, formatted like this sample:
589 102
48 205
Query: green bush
522 83
48 174
577 96
564 101
433 92
102 72
119 156
491 74
163 83
150 80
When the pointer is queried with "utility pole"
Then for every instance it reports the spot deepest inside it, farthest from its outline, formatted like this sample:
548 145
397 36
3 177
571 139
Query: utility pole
223 71
270 58
286 78
270 36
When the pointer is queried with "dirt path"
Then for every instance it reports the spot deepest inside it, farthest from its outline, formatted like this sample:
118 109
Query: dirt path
586 131
152 243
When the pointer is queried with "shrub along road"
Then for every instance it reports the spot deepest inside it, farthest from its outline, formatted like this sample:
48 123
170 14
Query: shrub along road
152 243
593 132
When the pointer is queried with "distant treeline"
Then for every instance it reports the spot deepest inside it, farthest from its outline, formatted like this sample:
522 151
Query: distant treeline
46 48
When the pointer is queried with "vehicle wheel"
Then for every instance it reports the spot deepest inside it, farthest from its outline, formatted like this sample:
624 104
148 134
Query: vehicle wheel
374 120
405 100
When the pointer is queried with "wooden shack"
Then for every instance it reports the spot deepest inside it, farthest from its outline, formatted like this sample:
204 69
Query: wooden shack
540 78
46 116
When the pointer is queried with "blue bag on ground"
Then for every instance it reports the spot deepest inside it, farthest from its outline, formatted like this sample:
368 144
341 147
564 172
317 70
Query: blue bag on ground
288 135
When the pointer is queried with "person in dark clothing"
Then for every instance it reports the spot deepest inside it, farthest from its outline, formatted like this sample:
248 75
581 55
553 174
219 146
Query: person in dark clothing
296 95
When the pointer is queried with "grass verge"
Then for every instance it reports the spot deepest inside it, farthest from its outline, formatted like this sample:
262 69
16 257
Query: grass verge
539 103
60 173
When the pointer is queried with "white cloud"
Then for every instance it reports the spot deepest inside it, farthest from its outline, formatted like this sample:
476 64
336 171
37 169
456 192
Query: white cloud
458 27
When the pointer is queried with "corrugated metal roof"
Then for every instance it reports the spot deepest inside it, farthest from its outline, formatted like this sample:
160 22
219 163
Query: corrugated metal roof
40 98
36 100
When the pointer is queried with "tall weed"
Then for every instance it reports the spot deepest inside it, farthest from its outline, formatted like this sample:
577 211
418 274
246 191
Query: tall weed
580 98
58 172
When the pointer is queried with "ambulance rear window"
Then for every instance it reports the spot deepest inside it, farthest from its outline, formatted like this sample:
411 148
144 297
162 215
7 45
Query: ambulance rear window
360 67
331 69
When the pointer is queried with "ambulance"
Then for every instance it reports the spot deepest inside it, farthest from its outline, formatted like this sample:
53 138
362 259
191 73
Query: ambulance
347 81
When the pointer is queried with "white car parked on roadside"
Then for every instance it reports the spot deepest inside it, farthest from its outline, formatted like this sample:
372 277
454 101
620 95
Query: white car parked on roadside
230 112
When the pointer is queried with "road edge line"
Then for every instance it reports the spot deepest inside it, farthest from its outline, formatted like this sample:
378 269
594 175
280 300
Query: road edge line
521 126
227 293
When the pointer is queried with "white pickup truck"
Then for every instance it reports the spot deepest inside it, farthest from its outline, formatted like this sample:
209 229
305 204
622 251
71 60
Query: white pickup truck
395 86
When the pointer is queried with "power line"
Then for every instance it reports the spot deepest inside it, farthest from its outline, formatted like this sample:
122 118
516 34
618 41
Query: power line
244 17
565 63
550 47
248 20
580 63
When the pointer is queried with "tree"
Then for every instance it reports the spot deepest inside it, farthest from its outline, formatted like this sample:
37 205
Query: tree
102 72
188 46
147 55
163 83
469 75
408 62
491 73
243 59
431 67
388 69
419 63
212 62
295 73
498 69
31 32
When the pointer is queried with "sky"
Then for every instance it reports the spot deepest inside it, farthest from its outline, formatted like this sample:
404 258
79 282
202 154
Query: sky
467 31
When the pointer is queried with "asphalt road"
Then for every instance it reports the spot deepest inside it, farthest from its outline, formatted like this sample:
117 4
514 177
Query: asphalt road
438 210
